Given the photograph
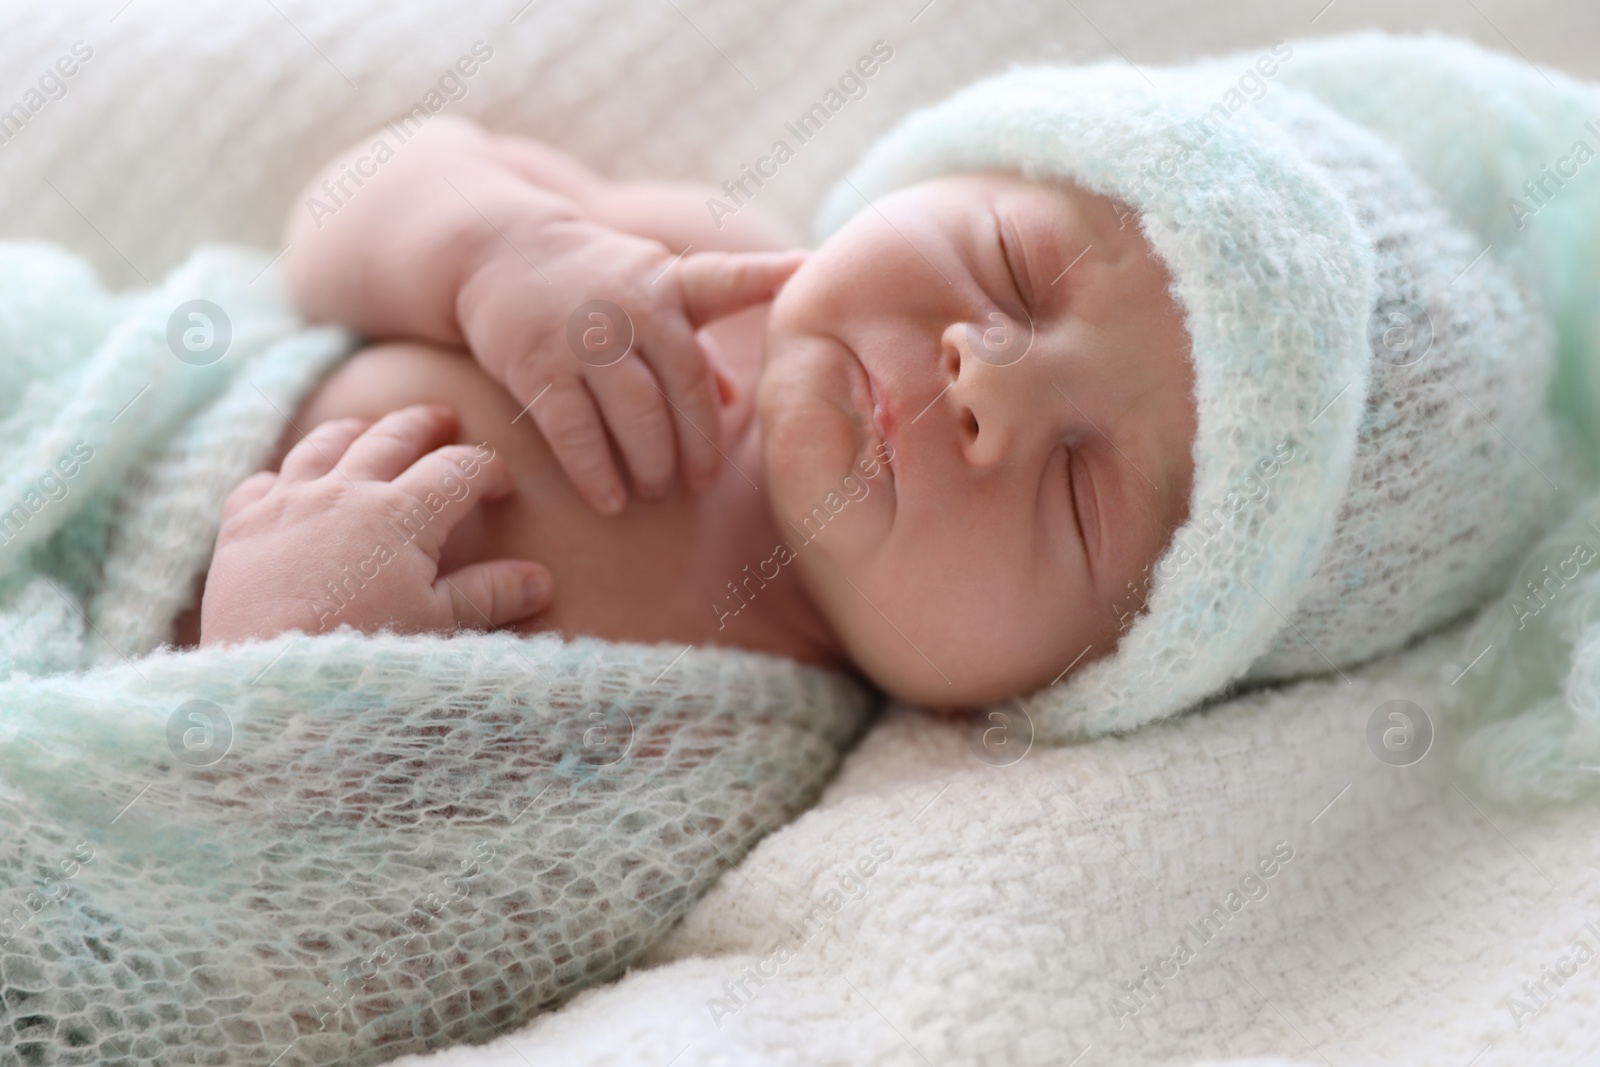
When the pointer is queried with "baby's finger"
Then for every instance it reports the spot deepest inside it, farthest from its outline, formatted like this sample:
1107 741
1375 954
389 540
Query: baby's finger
397 440
570 423
248 492
636 413
690 387
319 450
483 596
715 284
446 485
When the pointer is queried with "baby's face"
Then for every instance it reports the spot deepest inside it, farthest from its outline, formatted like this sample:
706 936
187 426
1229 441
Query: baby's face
1014 345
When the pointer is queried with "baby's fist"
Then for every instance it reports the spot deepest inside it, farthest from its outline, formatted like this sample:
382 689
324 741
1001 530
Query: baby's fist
350 531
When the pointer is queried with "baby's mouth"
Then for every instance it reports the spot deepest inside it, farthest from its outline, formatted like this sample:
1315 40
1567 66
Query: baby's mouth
882 418
875 419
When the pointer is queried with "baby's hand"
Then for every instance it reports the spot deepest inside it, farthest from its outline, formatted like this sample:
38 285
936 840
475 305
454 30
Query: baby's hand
350 530
543 333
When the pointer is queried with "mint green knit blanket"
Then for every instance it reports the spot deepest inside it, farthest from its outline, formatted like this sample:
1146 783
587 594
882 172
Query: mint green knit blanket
311 850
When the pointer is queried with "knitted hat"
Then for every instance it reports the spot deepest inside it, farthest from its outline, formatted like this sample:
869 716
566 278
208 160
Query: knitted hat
1373 447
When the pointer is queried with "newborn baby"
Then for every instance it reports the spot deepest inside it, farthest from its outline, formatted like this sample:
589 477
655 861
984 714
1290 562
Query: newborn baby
960 429
1102 392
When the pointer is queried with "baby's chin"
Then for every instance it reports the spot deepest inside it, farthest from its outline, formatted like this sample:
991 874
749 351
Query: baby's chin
950 679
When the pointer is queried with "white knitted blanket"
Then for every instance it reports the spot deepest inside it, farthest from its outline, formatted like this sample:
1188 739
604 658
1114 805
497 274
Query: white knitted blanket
933 908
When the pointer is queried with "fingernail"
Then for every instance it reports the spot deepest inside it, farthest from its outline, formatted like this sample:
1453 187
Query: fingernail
611 501
534 587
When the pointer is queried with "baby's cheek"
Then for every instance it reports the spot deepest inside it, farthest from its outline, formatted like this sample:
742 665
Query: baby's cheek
900 629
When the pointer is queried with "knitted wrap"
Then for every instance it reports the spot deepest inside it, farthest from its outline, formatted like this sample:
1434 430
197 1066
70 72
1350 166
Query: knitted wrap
1459 465
1514 170
1373 447
312 850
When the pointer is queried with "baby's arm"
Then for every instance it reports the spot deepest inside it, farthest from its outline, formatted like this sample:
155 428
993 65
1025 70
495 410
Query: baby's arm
467 239
390 259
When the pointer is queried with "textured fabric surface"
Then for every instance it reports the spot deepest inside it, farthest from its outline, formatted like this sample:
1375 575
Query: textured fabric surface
1532 717
170 136
1508 170
123 431
338 850
1022 902
1021 899
326 850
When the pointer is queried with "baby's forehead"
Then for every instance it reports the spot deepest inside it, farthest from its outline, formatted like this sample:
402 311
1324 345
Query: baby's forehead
1049 221
1044 191
1037 208
1043 207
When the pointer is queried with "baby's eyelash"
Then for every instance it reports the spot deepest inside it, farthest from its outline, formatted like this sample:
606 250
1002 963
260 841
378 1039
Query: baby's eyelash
1006 246
1077 512
1072 498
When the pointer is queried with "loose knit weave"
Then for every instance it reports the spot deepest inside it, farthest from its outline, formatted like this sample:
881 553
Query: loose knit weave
312 850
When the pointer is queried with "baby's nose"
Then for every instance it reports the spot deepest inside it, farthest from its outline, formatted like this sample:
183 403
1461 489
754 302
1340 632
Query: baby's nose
989 386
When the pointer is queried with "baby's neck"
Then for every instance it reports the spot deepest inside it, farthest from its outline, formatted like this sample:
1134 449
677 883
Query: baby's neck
756 596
